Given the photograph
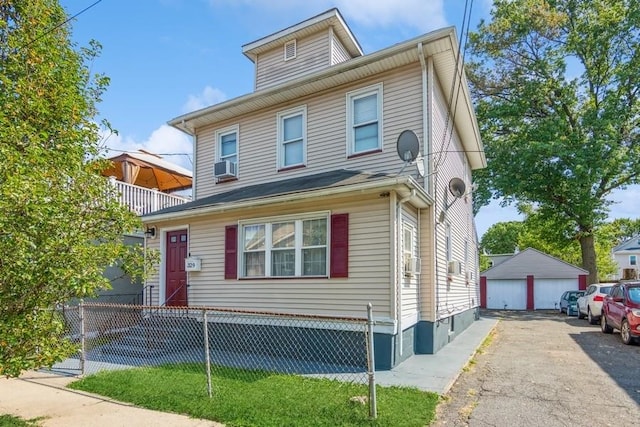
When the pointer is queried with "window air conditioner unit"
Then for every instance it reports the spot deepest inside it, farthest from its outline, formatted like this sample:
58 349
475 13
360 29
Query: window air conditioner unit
454 267
412 266
468 276
224 169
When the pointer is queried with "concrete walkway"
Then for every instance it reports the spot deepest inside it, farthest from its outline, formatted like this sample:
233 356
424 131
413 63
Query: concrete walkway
44 395
437 372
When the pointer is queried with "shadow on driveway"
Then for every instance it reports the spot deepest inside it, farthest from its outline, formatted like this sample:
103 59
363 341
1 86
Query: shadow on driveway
621 362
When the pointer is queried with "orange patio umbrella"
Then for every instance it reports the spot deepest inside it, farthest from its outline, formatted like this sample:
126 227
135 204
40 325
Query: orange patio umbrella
149 170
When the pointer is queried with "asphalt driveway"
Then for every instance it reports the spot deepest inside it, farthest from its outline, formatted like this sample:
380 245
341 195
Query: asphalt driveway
546 369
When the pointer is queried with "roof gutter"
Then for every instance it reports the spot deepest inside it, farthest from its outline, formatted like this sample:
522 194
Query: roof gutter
418 197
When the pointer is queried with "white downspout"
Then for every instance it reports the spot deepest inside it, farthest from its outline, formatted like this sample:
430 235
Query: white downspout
399 268
426 64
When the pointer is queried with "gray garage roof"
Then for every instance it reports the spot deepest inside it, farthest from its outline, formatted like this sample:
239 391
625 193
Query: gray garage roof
533 262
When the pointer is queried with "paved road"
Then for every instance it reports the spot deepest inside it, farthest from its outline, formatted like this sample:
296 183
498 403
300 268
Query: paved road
546 369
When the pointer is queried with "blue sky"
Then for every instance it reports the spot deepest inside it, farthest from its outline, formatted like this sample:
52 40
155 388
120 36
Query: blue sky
169 57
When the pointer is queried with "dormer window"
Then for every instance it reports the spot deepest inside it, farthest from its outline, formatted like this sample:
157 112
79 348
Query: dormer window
290 50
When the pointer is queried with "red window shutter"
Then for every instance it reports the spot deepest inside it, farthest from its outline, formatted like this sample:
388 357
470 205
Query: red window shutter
339 245
231 252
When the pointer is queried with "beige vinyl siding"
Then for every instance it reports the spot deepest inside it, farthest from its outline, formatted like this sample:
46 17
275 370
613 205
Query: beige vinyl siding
409 284
427 293
204 157
369 264
312 54
338 52
326 135
453 294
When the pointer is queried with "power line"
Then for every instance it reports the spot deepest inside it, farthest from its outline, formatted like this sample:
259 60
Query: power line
157 154
459 65
29 43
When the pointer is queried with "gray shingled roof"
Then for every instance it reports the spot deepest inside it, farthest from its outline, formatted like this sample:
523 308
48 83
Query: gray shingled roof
324 180
533 262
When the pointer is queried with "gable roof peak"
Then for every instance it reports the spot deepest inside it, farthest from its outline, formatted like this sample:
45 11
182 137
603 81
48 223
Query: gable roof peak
330 18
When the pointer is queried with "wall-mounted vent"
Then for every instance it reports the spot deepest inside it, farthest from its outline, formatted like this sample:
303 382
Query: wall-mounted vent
224 169
411 266
454 267
290 50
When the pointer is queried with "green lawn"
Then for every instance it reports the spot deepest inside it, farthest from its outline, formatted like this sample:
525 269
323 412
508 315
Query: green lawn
12 421
260 398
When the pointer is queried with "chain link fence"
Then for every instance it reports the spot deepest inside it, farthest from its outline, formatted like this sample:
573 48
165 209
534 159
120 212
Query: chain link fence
220 342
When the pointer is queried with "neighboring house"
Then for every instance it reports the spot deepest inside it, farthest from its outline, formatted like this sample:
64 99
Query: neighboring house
303 205
529 280
146 183
627 256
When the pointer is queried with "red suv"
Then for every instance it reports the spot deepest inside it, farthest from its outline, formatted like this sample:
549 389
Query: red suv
621 310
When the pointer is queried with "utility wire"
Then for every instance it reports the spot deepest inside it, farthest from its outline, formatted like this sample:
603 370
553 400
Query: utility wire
459 65
29 43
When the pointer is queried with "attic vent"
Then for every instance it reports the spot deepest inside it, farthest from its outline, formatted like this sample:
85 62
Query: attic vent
290 50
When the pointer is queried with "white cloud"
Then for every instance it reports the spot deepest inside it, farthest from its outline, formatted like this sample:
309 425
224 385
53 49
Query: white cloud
424 15
419 14
626 203
207 97
173 145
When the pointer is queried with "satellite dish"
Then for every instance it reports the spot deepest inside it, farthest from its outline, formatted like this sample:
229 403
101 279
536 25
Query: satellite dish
456 187
408 146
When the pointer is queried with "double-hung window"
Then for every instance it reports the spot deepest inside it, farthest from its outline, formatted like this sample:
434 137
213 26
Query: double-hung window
227 142
364 120
633 260
287 247
292 130
408 248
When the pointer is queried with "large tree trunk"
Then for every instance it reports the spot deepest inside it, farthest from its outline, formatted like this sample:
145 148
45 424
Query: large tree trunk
589 257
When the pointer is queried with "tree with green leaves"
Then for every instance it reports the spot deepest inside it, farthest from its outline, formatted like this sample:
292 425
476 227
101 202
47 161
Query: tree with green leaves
60 222
502 238
556 87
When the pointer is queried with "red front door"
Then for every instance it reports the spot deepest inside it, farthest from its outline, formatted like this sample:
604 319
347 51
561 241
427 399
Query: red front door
176 252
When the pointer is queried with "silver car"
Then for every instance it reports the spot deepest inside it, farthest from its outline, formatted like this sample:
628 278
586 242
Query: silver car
590 304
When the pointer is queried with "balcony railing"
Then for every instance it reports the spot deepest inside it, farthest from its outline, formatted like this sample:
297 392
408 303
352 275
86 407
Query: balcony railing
143 200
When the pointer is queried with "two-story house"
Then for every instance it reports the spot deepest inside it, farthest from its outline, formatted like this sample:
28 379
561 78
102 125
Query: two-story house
627 257
308 200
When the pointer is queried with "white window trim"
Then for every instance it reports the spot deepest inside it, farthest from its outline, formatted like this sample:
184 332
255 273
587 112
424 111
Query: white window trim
268 221
281 116
352 96
635 258
411 253
226 131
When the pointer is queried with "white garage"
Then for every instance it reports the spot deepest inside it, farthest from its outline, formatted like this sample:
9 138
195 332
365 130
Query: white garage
547 292
507 294
528 280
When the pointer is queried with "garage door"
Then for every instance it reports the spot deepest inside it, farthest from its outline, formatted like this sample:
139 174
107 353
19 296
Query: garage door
507 294
547 292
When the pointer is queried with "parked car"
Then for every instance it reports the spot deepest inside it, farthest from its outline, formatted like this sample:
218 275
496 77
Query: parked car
621 310
590 304
568 302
